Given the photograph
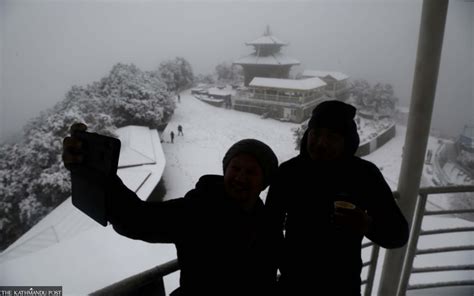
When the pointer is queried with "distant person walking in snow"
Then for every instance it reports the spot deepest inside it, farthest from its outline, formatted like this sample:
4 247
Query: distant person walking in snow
429 155
179 98
172 137
224 243
326 200
180 130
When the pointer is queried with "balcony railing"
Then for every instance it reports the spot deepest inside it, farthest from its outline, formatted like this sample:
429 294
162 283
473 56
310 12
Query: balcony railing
151 281
416 232
280 98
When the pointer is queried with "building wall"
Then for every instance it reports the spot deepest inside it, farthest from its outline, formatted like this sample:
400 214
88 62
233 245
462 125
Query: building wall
276 111
334 89
379 141
251 71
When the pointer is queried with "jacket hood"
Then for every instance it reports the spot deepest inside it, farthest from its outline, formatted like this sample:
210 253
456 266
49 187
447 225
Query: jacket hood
339 117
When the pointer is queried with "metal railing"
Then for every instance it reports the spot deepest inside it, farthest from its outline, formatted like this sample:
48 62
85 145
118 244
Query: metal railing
151 281
371 264
416 232
283 98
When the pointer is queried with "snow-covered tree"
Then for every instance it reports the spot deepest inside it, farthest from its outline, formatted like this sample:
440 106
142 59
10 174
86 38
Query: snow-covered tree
466 160
383 99
360 89
205 79
33 180
136 97
298 134
177 74
229 73
379 99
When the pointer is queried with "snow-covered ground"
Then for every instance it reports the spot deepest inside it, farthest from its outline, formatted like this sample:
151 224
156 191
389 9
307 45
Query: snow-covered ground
99 257
370 129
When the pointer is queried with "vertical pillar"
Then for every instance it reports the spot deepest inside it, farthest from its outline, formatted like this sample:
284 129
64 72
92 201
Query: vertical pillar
430 43
3 7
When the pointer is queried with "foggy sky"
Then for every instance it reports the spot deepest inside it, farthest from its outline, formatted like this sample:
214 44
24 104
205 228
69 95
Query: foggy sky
48 46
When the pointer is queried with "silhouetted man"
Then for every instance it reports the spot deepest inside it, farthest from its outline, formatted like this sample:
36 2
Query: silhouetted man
322 248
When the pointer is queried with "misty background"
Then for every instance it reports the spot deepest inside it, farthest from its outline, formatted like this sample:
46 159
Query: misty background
46 47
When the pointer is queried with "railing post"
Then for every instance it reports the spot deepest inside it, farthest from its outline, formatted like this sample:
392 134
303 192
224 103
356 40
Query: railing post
374 255
412 244
430 42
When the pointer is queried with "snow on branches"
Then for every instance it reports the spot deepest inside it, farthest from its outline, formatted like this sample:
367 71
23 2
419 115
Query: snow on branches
33 180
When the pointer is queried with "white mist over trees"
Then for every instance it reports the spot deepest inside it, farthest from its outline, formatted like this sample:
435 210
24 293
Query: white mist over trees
33 180
229 73
177 74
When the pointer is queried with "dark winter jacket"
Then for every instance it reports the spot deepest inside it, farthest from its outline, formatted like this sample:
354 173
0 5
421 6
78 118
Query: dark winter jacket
221 249
316 257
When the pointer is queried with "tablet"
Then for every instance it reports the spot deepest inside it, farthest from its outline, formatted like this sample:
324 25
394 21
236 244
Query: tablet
89 190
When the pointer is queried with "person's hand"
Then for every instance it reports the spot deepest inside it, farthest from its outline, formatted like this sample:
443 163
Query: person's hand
352 220
72 148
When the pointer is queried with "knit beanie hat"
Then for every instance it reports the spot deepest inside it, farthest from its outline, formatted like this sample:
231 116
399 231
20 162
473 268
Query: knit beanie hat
261 151
339 117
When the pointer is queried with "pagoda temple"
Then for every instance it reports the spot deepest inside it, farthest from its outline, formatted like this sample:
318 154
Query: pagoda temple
266 60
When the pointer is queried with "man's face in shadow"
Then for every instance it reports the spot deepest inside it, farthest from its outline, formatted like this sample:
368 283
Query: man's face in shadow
325 144
243 179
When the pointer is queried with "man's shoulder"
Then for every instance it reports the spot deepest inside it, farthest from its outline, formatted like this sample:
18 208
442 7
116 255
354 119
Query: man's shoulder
363 162
364 167
292 168
292 162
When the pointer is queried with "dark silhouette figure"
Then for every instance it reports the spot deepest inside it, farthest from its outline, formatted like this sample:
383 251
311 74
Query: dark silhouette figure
224 241
322 244
180 130
179 98
172 136
429 156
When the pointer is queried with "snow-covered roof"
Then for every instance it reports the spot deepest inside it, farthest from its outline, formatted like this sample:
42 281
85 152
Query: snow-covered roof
219 92
300 84
141 165
273 59
267 40
137 146
336 75
89 261
208 99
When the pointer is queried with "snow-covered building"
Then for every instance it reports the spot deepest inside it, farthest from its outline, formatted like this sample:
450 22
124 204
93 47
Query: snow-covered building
284 99
466 139
336 83
266 60
270 93
215 96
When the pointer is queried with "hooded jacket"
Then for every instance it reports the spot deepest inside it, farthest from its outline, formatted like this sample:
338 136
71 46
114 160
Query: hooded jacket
316 256
221 249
